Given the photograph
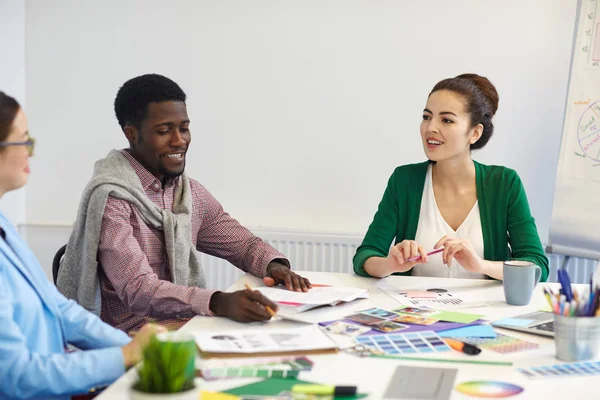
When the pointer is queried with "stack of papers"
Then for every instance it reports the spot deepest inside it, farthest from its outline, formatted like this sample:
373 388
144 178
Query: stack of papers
291 303
306 339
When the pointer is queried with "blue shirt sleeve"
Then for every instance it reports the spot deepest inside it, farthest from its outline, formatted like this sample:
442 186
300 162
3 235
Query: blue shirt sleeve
25 374
84 329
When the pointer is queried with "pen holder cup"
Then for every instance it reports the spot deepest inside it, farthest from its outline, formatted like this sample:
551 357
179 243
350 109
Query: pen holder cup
577 338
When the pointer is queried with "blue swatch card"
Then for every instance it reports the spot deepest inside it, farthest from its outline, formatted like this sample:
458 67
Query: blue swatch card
559 370
407 343
482 331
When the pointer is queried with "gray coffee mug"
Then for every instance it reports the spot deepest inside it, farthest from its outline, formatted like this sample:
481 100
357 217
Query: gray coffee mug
520 278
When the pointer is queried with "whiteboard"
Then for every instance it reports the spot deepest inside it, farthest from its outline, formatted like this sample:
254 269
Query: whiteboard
300 110
575 228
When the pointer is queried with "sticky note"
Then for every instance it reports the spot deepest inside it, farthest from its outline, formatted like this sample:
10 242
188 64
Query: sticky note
217 396
421 295
452 316
513 322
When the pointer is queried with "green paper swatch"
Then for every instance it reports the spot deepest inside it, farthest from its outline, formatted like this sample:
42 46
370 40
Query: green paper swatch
274 386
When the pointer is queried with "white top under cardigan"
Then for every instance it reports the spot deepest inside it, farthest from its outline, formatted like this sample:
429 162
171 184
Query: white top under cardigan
432 227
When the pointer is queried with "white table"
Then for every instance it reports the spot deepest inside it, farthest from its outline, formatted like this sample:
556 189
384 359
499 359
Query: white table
373 374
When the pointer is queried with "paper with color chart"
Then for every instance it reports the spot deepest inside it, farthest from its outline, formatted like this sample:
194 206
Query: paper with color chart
250 341
501 343
446 300
291 302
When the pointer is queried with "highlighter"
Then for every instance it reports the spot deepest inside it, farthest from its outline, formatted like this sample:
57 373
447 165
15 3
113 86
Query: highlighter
324 390
466 348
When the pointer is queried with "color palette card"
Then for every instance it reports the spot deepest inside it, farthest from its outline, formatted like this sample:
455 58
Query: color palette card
248 372
501 343
561 370
405 343
285 367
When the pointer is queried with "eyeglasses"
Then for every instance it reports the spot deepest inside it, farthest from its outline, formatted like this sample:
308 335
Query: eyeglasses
30 144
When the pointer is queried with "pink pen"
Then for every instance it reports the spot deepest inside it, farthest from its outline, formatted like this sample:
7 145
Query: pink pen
428 254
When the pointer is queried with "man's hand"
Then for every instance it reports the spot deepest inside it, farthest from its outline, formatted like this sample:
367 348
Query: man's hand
242 306
279 274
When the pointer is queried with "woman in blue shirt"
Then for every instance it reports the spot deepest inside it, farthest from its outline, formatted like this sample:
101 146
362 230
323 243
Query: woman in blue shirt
37 322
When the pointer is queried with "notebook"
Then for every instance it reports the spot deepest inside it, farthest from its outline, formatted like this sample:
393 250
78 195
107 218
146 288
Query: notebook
291 303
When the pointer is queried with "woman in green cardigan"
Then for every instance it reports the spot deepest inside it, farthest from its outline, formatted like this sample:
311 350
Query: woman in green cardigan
478 214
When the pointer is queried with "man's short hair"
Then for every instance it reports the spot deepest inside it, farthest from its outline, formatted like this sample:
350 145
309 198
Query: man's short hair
134 96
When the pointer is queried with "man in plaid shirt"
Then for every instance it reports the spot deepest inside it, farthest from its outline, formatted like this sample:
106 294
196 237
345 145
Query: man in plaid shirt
135 279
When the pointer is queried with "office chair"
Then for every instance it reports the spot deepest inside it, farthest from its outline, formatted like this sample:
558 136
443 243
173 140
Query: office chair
56 262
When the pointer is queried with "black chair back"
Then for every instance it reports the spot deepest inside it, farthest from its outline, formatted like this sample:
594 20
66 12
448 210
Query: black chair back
56 262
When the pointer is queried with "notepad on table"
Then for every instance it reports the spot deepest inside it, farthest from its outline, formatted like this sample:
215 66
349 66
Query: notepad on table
291 302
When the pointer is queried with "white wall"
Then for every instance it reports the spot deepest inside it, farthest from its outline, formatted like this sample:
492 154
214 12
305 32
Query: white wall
300 109
12 82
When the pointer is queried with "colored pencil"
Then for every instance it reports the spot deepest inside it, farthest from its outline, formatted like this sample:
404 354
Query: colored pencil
269 309
447 360
428 254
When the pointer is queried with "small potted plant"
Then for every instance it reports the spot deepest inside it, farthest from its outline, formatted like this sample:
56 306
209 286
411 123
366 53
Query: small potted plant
167 369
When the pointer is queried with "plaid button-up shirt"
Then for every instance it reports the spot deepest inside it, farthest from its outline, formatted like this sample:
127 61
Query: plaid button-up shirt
134 274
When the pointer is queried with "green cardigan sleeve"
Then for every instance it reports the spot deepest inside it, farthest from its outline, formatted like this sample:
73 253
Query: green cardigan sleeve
523 236
381 231
397 216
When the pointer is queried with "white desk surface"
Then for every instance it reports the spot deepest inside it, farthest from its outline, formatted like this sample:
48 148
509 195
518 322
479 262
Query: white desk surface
373 374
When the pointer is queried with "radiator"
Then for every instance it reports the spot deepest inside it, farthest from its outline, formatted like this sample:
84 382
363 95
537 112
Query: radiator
307 251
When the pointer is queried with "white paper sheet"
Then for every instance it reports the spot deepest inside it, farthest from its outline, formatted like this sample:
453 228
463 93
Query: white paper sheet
445 301
264 341
319 295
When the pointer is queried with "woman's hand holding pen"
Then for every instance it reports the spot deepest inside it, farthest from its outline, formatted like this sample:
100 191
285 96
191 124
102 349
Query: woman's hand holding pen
398 259
462 251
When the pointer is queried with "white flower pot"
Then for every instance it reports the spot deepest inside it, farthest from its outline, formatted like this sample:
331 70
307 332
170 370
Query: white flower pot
191 394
